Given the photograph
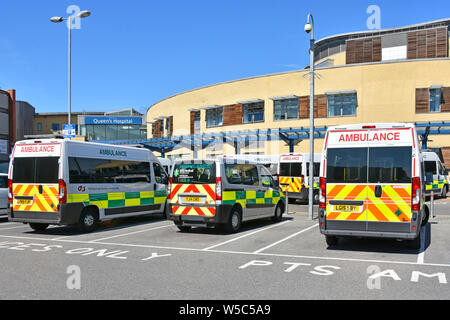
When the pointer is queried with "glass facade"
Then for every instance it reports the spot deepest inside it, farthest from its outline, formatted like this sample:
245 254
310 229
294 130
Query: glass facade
94 132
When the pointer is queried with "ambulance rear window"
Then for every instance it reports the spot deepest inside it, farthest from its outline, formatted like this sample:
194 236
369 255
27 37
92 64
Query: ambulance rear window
347 165
35 170
390 165
290 169
194 172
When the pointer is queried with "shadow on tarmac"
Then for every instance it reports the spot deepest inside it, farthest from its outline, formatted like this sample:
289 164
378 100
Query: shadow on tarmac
381 245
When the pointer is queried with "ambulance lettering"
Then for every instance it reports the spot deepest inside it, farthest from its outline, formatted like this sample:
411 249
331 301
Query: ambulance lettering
369 136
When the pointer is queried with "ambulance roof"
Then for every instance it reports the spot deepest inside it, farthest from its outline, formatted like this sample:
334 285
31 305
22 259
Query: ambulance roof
389 125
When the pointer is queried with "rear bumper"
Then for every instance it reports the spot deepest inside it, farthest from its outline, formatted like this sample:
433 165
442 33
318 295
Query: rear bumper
4 212
371 229
222 215
66 215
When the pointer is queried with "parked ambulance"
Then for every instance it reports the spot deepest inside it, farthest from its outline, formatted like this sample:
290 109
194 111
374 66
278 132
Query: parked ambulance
437 174
372 183
64 182
293 175
222 192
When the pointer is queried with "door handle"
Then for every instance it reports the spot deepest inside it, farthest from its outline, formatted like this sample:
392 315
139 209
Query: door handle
378 191
40 189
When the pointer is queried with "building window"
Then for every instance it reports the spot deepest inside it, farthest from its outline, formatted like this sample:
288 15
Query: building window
55 126
197 127
341 105
285 109
39 126
435 100
214 117
253 112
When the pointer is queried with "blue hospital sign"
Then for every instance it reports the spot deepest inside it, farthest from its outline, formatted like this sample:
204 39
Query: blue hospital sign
69 130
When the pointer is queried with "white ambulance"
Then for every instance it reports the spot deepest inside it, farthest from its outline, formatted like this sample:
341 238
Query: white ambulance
372 183
64 182
293 175
436 175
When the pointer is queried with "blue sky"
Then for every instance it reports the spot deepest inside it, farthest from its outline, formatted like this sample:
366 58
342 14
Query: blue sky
134 53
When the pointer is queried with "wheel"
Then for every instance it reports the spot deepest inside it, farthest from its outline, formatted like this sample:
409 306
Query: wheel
331 240
426 216
316 197
38 226
444 192
88 220
278 214
234 221
415 243
184 228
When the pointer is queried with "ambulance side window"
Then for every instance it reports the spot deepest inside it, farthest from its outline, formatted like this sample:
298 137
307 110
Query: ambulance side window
160 174
266 178
430 166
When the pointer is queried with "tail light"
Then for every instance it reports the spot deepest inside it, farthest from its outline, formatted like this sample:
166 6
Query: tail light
10 192
218 188
322 192
415 197
169 188
62 191
303 180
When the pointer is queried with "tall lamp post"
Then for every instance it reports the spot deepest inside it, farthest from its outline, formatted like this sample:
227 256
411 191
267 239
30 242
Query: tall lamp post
81 14
309 28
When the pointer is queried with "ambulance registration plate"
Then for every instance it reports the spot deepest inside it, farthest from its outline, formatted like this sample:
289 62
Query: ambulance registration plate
21 202
192 199
346 208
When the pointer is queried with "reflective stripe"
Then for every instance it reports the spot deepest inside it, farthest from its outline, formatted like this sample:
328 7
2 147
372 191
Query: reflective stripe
119 199
47 201
291 184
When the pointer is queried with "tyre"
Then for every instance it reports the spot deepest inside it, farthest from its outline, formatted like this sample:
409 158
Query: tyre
278 214
184 228
316 197
234 221
88 221
415 243
426 216
444 192
38 226
331 240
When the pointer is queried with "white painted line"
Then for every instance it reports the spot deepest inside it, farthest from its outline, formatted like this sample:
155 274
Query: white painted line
17 227
246 235
129 233
235 252
284 239
125 226
421 256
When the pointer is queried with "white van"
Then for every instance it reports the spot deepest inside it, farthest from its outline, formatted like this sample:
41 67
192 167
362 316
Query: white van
3 195
437 174
293 175
64 182
372 183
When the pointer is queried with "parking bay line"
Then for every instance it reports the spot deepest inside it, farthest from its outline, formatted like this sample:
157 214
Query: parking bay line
245 235
237 252
284 239
110 229
130 233
16 227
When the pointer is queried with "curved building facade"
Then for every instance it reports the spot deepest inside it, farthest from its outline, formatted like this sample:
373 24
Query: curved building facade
392 75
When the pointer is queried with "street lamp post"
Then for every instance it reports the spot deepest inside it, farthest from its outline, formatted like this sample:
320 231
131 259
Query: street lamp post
309 28
81 14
